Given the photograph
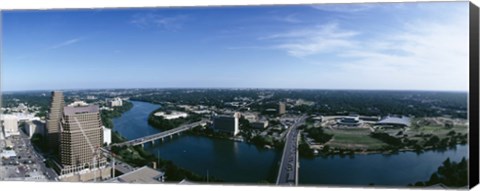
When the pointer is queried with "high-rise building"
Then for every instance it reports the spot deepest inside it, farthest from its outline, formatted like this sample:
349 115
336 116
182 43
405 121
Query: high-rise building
281 108
76 133
53 120
226 123
34 127
81 135
9 124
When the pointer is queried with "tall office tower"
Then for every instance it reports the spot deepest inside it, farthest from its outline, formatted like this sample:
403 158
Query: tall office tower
53 120
81 136
281 108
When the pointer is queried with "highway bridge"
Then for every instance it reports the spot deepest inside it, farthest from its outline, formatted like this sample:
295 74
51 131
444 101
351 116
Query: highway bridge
288 170
161 135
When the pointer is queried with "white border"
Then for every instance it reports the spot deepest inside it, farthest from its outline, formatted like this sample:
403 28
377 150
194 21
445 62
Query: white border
89 4
66 4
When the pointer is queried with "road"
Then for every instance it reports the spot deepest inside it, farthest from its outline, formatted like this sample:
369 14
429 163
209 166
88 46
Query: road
39 159
28 160
288 170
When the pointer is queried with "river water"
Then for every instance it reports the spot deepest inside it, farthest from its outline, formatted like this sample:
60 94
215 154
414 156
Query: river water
243 163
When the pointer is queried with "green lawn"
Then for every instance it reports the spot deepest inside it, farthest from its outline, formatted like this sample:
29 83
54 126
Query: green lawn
439 131
353 139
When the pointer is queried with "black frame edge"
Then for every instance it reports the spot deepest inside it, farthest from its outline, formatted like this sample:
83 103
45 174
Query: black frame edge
474 97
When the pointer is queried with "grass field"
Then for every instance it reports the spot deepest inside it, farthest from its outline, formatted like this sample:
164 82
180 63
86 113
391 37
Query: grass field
359 138
353 139
439 131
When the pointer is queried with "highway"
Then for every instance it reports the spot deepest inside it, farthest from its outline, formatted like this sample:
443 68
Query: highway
288 170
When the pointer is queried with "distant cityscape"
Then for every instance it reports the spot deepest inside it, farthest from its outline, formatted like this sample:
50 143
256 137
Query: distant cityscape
67 136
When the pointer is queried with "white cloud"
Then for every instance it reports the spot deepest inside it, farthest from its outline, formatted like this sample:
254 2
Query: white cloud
315 40
425 55
65 43
428 54
291 18
344 8
157 21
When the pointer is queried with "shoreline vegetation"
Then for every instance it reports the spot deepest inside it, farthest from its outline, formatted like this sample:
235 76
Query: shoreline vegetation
163 124
167 124
306 151
450 174
388 144
394 146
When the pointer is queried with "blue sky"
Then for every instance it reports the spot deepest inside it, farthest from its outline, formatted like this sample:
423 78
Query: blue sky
392 46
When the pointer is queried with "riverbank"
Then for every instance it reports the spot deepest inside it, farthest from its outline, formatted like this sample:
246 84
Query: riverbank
304 149
351 153
208 132
107 116
377 169
364 141
138 157
451 174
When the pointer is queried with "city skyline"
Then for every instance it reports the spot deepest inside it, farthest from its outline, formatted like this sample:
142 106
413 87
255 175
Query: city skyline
386 46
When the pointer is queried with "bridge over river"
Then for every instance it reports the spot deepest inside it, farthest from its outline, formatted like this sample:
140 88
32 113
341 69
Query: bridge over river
288 170
161 135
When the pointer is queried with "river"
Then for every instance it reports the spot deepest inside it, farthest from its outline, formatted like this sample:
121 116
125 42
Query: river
240 162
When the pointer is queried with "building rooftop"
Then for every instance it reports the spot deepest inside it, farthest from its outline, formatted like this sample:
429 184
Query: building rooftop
8 154
395 120
78 103
144 175
83 109
8 117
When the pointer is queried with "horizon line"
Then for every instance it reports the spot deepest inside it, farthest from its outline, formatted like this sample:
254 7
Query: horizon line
227 88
